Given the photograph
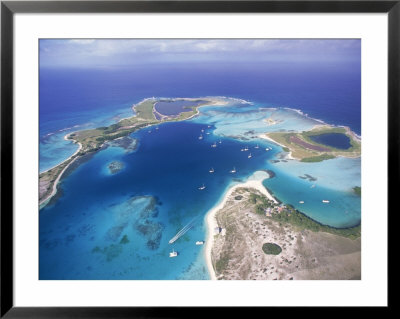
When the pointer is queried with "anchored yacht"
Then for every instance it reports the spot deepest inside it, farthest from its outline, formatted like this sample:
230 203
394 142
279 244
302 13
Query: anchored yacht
173 253
233 171
202 187
211 170
249 155
325 201
200 242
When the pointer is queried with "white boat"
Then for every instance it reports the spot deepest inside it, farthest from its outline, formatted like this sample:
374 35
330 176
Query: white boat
214 145
200 137
209 126
325 201
202 187
200 242
220 141
249 156
233 171
211 170
301 202
173 253
312 186
242 150
202 131
149 132
267 149
246 149
156 127
256 146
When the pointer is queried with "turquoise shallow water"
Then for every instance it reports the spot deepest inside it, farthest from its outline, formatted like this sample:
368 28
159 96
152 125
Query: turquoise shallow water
117 226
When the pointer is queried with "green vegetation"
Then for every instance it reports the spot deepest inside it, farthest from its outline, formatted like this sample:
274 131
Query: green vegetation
297 144
93 139
357 190
144 110
271 249
222 263
288 214
319 158
301 221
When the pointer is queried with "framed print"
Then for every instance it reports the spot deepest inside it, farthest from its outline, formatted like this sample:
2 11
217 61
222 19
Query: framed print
164 155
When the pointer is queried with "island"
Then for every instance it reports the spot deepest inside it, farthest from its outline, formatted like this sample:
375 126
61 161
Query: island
92 140
321 143
260 238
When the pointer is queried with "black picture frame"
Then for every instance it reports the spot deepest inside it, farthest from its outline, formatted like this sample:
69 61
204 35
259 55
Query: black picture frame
9 8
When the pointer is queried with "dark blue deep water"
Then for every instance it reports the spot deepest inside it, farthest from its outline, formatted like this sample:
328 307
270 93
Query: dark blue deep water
337 140
327 91
104 226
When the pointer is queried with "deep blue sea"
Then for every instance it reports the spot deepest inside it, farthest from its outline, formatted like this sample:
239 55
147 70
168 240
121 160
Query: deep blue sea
104 226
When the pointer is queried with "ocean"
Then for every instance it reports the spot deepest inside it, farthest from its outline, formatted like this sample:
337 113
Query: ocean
104 226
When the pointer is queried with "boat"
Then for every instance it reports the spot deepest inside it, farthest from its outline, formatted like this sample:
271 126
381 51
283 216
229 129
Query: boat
312 186
173 253
301 202
220 142
149 132
256 146
211 170
209 126
267 149
208 133
202 131
214 145
249 156
233 171
242 150
200 242
246 149
200 137
156 127
202 187
325 201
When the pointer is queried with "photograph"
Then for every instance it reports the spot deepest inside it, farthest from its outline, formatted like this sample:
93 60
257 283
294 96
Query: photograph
199 159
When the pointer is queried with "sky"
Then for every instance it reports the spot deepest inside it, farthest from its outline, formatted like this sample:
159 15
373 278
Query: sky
108 53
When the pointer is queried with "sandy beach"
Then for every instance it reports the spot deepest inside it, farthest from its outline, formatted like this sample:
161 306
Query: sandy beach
252 182
264 136
77 151
54 188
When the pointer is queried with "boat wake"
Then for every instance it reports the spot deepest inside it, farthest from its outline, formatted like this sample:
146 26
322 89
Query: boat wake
182 231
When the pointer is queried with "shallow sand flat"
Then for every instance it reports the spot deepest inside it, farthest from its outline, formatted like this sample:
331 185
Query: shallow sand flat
305 255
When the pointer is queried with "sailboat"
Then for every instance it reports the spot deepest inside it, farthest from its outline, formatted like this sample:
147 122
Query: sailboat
211 170
249 156
233 171
246 149
202 187
214 145
200 137
256 146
